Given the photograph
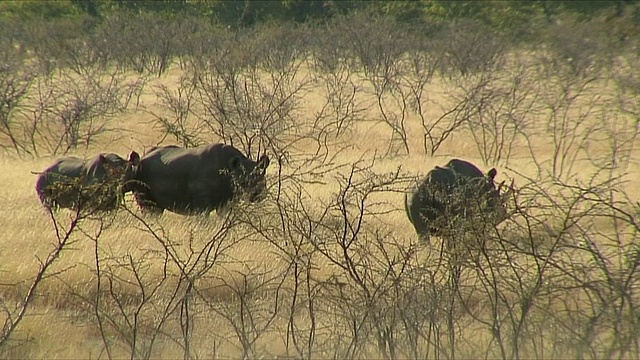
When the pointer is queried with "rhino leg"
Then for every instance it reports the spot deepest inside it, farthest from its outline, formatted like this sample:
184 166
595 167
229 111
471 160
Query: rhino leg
223 211
152 210
424 236
147 205
421 224
49 204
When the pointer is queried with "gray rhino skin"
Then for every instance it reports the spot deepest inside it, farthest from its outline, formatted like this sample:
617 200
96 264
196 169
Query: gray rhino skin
457 189
74 183
199 180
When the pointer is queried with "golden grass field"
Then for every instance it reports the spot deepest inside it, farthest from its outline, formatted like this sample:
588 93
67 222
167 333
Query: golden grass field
57 325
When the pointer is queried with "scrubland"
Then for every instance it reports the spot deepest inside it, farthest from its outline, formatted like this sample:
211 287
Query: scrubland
328 265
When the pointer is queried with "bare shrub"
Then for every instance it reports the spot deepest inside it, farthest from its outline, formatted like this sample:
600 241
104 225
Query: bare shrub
144 43
14 311
582 48
257 297
341 108
421 64
67 111
279 48
14 35
200 41
379 44
65 45
467 48
467 55
501 108
153 294
179 104
243 100
552 257
373 297
571 109
51 42
621 124
334 70
15 79
570 76
312 274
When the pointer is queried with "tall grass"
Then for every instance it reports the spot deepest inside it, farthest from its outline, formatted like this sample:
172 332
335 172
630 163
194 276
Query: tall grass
328 264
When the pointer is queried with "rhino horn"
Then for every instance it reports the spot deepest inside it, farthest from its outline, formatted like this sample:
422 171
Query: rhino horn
509 189
263 163
492 173
134 158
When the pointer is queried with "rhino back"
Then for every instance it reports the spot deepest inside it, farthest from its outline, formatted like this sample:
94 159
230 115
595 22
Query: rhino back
68 166
187 179
221 155
175 162
167 169
464 168
469 179
170 161
64 169
63 172
94 169
439 179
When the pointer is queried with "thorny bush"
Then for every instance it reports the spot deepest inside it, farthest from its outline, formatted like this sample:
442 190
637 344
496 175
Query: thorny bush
310 273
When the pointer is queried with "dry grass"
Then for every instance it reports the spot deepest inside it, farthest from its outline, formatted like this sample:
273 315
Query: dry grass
55 328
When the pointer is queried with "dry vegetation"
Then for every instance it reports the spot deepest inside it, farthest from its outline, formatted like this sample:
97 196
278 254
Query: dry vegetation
328 266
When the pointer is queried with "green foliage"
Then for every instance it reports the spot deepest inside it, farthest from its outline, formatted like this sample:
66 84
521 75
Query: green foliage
246 13
404 11
154 6
516 17
44 10
87 6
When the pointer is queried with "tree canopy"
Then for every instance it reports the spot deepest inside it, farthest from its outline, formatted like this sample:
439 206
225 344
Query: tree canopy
502 14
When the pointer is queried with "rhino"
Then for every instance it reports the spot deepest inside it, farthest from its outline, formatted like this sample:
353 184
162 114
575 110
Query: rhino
459 190
75 183
196 181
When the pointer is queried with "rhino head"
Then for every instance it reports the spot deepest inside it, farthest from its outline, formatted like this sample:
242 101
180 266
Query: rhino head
122 171
117 173
481 193
249 177
496 197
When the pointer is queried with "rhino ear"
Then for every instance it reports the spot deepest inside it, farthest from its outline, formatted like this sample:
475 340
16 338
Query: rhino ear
134 158
492 173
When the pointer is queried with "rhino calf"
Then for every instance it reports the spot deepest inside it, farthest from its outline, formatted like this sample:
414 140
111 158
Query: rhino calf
197 180
459 190
75 183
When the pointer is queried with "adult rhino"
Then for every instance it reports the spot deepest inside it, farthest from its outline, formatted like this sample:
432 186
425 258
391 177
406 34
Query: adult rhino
76 183
197 180
459 190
